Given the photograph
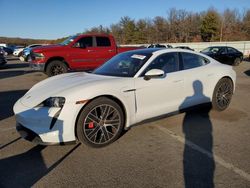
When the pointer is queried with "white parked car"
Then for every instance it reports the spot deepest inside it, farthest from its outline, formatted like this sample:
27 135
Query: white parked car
131 87
18 52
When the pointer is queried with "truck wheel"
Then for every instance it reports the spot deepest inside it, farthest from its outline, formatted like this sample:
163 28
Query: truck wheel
56 67
100 123
222 95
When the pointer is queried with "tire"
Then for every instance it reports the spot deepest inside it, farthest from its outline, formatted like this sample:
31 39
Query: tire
19 54
28 58
222 94
92 127
237 61
2 63
56 67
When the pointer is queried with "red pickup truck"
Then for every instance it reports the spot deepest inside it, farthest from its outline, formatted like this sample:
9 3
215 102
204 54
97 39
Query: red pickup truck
79 52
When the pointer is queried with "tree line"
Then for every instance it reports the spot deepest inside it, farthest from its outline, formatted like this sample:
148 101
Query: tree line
177 26
181 26
23 42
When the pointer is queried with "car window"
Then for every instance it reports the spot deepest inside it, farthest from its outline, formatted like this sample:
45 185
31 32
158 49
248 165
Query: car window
167 62
223 50
213 50
103 41
190 60
125 64
84 42
231 50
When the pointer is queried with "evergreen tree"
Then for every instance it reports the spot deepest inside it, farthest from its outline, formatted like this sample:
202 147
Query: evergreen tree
210 26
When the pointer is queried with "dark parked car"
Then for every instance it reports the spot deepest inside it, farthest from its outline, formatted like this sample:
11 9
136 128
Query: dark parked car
224 54
2 58
184 47
7 50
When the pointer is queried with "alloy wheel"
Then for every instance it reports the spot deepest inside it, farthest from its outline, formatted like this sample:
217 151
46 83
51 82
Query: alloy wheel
102 124
224 94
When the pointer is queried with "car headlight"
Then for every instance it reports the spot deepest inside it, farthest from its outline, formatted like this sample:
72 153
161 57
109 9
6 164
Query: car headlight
54 102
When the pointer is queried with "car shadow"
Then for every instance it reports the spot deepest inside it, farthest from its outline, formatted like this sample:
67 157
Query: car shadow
9 74
25 169
247 72
7 101
15 66
198 168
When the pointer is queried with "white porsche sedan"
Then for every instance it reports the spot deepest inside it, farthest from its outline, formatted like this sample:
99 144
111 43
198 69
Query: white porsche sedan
133 86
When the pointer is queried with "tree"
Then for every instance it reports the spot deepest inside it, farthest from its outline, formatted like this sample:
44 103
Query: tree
246 24
116 32
230 28
161 29
210 25
142 31
99 29
128 30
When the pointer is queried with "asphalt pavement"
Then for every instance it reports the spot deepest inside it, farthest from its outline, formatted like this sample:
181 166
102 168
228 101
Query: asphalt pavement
198 148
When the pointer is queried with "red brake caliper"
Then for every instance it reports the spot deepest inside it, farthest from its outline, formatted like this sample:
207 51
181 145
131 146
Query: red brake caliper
91 125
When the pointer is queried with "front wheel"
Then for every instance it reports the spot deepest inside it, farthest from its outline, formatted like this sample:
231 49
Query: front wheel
28 58
222 94
100 123
56 67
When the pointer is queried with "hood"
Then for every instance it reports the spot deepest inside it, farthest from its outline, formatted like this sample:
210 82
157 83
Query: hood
47 47
53 86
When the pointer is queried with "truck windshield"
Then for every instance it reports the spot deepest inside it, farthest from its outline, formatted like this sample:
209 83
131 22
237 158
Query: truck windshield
68 40
126 64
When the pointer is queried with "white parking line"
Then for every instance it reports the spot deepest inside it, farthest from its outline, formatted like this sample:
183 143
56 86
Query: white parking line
216 158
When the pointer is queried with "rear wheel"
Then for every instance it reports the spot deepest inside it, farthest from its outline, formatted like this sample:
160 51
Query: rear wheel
56 67
237 61
100 123
222 94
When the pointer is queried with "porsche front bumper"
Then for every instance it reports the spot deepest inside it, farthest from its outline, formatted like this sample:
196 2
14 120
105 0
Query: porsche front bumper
47 126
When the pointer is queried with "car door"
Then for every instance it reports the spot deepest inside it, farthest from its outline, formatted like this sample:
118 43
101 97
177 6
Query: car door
105 50
197 77
232 54
82 54
223 55
158 96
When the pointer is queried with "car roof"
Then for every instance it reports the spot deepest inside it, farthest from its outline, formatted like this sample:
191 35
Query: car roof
218 46
146 50
159 51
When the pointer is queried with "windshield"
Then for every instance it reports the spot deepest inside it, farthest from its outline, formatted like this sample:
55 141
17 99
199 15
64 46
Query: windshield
68 40
124 65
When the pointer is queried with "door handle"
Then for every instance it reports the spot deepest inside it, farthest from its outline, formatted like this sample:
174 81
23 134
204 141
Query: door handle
91 50
210 74
110 50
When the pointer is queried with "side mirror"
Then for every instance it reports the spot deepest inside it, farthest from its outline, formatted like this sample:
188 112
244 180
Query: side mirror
154 73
